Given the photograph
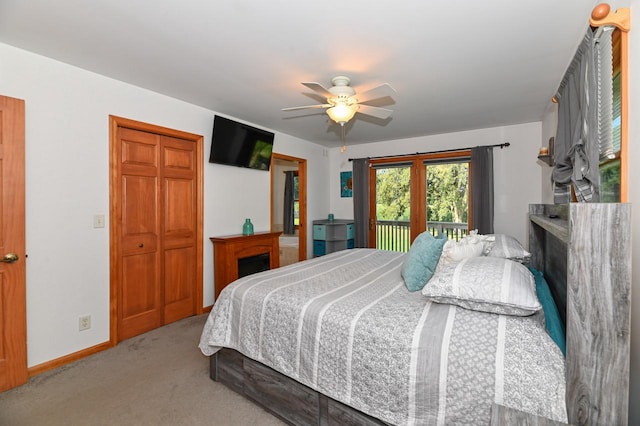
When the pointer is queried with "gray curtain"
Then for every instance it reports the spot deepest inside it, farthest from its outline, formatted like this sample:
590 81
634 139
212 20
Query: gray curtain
361 201
287 220
584 120
482 189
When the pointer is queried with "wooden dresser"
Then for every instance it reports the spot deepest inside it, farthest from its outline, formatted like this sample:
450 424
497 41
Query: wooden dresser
228 250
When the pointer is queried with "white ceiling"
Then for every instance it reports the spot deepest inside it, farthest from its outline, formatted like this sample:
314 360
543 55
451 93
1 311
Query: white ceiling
455 64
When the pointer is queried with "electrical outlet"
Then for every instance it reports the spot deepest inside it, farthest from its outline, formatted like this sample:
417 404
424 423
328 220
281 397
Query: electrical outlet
84 323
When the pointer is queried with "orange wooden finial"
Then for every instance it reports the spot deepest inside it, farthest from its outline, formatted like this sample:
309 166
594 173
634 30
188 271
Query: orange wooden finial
600 11
601 15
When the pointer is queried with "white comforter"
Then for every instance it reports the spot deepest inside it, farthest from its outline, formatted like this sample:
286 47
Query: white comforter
345 325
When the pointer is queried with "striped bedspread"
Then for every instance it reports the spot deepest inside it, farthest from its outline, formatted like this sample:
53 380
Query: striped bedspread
345 325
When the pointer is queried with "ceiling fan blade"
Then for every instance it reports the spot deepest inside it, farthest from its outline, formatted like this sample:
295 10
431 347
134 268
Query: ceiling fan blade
318 88
377 112
306 106
376 93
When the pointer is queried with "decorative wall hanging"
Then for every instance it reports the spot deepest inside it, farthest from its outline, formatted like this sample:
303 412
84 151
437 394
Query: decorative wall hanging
346 184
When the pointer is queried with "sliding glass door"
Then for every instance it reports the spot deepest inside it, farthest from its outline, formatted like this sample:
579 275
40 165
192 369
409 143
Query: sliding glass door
417 193
393 207
447 195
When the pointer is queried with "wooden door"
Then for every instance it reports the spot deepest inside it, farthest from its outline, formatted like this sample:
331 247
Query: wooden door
13 317
156 228
139 294
178 229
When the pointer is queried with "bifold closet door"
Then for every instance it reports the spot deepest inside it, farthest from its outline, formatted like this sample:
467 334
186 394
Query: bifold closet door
178 228
157 232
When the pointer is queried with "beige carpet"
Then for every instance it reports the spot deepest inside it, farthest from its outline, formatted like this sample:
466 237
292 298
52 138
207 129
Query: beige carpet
158 378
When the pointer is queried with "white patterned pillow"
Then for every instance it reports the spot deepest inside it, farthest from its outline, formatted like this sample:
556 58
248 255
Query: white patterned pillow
508 247
488 284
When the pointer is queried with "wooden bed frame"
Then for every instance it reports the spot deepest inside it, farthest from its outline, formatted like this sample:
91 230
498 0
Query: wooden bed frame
584 251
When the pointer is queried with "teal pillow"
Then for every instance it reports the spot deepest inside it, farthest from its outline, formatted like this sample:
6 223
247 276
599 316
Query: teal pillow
422 259
553 322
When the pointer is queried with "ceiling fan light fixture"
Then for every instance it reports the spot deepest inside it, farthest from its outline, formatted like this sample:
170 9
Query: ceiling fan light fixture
341 112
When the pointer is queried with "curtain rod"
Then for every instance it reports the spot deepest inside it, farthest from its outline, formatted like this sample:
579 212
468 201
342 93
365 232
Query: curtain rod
501 145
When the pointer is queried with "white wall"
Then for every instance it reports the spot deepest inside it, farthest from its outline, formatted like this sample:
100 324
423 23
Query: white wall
516 171
67 182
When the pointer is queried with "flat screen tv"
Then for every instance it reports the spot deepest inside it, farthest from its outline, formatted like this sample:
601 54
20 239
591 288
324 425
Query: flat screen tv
240 145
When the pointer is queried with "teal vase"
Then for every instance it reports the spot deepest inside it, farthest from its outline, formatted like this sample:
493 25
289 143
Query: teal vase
247 228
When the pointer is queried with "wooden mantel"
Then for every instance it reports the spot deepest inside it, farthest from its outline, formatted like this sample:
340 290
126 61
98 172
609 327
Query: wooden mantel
227 250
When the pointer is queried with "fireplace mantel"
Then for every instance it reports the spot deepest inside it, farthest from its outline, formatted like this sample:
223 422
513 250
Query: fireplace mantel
227 250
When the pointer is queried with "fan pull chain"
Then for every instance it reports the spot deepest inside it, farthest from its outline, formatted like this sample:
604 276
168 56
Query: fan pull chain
344 145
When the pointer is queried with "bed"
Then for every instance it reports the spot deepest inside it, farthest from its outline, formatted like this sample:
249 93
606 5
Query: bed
339 339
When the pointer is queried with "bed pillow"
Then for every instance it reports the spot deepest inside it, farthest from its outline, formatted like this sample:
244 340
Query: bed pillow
553 322
422 259
488 284
508 247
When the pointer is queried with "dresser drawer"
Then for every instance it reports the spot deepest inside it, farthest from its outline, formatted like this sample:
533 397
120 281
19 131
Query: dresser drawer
319 232
351 231
319 248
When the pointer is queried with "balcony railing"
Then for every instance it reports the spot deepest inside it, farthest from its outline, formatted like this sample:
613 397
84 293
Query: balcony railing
394 235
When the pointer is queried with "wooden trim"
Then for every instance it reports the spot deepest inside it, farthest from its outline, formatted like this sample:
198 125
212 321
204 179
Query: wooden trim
624 116
418 212
302 200
115 219
115 213
67 359
373 236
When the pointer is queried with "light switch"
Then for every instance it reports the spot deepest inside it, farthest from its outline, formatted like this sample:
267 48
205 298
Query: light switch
98 221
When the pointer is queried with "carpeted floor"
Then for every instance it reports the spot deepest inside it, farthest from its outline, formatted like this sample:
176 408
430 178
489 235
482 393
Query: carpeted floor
158 378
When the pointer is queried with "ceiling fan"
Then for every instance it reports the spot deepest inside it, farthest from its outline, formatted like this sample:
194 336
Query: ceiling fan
343 102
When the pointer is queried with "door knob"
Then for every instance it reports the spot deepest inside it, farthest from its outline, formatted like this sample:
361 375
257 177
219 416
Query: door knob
10 258
140 245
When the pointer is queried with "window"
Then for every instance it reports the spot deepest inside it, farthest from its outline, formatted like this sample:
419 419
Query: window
393 206
610 167
448 198
612 175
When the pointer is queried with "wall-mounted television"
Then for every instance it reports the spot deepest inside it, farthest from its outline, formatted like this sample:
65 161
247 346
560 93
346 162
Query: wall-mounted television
240 145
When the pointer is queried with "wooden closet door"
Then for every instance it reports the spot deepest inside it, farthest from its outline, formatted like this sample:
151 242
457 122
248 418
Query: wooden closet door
179 192
13 297
140 298
158 205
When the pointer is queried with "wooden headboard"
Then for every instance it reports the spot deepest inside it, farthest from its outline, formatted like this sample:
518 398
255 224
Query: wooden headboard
584 252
